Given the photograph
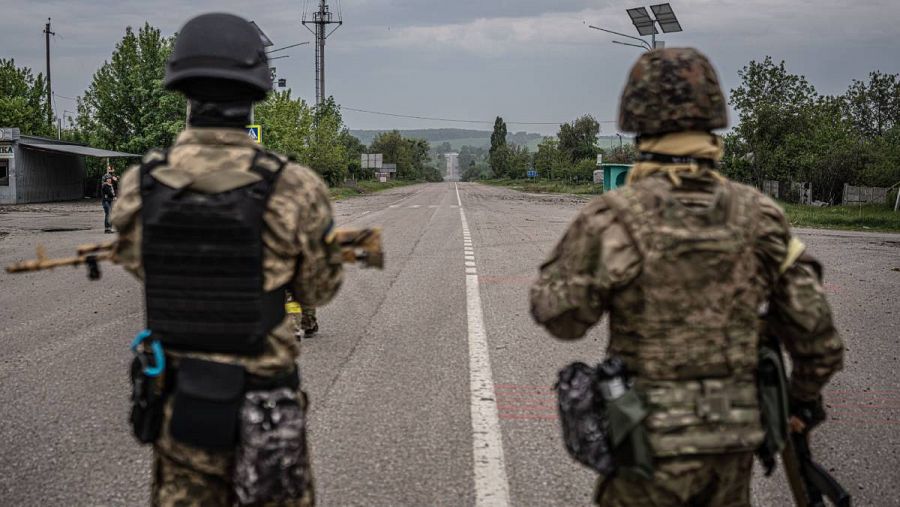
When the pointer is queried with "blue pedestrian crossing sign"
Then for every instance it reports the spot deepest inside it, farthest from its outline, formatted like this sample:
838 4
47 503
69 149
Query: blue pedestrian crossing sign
255 133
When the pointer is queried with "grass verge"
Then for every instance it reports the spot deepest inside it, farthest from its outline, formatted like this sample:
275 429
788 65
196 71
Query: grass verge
363 187
546 186
870 217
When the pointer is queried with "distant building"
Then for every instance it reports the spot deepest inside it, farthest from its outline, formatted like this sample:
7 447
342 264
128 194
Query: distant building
37 169
452 172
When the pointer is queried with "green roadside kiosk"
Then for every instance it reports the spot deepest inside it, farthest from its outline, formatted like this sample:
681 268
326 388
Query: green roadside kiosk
614 175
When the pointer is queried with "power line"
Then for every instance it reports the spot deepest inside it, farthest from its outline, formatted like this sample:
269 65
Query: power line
453 120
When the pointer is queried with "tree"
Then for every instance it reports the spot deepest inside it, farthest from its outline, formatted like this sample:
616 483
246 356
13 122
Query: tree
287 123
874 107
126 108
578 140
325 153
354 149
23 100
624 154
499 153
771 104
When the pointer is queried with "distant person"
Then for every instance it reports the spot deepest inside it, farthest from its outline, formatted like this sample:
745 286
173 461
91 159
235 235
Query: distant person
107 196
110 173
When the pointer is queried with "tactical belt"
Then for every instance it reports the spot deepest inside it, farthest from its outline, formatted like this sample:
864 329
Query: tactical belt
662 158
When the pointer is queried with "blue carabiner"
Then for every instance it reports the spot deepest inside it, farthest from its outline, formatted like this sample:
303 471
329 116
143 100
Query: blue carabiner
159 358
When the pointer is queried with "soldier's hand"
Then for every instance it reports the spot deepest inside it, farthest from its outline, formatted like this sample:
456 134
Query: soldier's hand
805 415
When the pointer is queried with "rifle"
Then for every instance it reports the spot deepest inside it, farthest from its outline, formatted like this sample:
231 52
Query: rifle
358 246
810 483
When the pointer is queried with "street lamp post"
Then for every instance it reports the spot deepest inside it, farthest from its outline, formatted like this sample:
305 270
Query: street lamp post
646 25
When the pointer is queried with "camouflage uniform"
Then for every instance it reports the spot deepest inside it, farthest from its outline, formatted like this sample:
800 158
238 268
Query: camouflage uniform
305 323
297 221
682 260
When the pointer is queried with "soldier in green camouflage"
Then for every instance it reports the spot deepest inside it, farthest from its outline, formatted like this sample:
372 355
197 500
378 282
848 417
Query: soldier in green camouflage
683 259
213 155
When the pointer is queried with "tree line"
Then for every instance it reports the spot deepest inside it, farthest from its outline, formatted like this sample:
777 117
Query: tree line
787 131
126 109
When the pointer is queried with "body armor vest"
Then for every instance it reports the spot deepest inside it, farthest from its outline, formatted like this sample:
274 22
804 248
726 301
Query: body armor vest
687 325
203 264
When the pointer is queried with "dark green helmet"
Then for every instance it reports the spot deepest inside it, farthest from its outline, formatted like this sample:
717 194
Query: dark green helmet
219 57
671 90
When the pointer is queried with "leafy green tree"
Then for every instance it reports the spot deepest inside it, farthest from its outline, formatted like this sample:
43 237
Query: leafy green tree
287 123
874 106
354 148
772 104
624 154
499 152
578 140
520 161
23 100
548 159
126 108
326 153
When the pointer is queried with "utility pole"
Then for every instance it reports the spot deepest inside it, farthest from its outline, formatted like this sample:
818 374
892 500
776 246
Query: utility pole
47 34
320 21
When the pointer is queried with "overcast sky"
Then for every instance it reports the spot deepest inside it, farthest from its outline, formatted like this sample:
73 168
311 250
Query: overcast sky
526 60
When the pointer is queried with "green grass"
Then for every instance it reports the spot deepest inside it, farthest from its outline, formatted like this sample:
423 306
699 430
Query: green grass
546 186
870 217
363 187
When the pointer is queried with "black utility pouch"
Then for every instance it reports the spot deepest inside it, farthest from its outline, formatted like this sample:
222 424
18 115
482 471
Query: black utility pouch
146 403
208 397
584 425
271 463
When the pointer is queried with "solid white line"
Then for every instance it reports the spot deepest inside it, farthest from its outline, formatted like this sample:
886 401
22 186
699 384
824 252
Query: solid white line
491 483
458 200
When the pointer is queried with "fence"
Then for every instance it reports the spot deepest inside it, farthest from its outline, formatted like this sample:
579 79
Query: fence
791 191
864 195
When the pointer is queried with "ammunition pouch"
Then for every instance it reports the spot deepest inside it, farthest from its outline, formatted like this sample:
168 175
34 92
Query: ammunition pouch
272 462
147 396
773 404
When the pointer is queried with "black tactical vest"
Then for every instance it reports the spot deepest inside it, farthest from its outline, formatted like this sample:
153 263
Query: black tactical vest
203 264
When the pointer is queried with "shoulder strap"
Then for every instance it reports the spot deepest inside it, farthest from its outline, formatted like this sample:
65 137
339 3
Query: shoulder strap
152 159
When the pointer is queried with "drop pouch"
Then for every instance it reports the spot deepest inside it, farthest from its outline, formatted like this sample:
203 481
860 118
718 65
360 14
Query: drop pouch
206 404
146 403
628 436
773 403
272 463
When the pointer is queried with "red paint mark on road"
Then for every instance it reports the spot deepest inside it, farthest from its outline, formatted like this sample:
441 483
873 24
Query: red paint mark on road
529 417
506 280
524 402
522 386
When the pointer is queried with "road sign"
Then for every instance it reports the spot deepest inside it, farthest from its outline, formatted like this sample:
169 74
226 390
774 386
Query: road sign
532 174
255 133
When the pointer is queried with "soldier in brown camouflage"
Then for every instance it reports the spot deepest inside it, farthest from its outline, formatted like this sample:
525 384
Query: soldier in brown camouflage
297 253
683 260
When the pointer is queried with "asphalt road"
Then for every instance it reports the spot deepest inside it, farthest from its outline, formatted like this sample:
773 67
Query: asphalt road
391 375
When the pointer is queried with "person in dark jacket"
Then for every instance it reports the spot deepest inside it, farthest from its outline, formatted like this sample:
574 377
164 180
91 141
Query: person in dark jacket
107 196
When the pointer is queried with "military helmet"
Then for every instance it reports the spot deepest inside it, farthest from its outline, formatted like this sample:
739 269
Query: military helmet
219 57
671 90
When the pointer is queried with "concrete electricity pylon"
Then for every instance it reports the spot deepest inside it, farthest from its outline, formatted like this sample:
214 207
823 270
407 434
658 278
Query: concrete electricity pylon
47 34
320 20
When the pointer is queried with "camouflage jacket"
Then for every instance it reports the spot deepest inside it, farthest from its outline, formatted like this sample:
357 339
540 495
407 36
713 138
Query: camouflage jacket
297 220
699 334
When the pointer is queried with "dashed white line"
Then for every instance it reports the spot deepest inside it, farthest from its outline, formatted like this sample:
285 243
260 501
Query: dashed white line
491 483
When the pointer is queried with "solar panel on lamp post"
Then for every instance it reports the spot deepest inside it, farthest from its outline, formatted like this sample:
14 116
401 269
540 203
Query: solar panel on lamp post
646 24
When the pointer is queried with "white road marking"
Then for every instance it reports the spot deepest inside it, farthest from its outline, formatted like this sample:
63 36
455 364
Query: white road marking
394 206
491 483
414 206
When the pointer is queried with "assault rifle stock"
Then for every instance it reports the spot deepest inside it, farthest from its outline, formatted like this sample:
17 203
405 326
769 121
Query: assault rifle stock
358 246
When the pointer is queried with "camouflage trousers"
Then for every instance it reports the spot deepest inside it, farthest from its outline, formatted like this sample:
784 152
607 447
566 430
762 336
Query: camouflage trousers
305 321
713 481
186 476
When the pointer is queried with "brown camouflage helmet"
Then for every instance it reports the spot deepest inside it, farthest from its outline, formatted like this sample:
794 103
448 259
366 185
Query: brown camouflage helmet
671 90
